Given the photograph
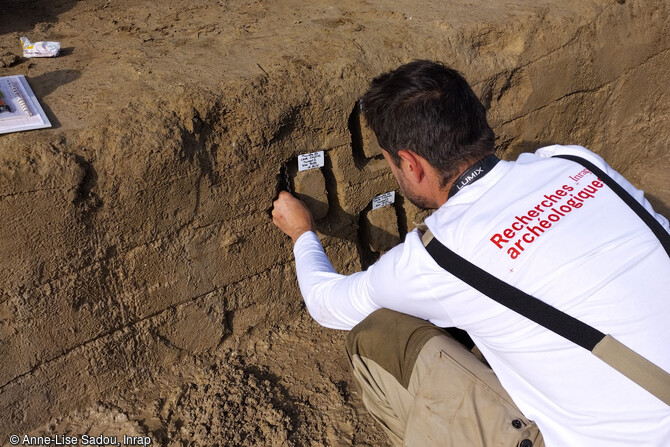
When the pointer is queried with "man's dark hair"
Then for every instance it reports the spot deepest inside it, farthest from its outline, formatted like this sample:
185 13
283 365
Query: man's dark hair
431 110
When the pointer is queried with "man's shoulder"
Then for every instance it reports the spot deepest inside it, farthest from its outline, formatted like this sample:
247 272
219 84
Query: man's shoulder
558 149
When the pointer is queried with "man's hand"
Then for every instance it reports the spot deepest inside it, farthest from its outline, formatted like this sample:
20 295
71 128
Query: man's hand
292 216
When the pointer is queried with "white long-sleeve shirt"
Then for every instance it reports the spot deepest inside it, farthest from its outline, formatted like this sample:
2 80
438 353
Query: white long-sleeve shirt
550 228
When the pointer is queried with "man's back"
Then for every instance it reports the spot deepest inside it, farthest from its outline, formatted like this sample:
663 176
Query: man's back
555 231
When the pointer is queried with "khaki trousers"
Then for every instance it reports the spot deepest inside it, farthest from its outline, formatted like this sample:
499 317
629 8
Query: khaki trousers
427 389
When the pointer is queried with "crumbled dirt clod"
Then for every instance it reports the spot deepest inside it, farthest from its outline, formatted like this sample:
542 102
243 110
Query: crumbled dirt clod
8 60
231 406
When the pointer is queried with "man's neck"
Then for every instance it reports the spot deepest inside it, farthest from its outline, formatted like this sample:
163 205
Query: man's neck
442 194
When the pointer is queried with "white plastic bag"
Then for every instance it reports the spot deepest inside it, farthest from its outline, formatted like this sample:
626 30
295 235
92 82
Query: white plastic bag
40 49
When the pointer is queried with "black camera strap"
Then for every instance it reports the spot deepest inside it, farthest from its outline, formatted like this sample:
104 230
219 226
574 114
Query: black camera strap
474 173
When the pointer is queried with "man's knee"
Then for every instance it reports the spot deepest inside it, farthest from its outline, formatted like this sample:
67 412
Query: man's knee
391 339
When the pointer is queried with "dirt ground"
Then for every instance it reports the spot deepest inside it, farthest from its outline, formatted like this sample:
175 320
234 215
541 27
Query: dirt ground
144 290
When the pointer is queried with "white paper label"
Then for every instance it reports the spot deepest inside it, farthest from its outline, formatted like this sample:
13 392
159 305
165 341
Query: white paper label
310 161
383 200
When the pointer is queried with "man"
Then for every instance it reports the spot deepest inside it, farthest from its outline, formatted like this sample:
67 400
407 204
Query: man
547 226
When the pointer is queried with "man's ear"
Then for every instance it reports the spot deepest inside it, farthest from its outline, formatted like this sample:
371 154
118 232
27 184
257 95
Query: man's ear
413 164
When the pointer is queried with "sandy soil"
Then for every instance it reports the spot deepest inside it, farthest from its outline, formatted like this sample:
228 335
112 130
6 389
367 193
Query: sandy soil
144 289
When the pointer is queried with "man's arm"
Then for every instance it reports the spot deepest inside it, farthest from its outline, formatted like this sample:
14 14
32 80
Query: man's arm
292 216
319 282
397 281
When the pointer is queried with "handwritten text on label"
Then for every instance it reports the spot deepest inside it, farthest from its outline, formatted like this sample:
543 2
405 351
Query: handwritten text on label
383 200
310 161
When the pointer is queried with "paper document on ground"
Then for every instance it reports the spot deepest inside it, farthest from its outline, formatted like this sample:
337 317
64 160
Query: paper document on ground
25 112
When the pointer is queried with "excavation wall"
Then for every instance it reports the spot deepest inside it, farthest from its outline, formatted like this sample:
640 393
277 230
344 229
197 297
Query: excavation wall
135 238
